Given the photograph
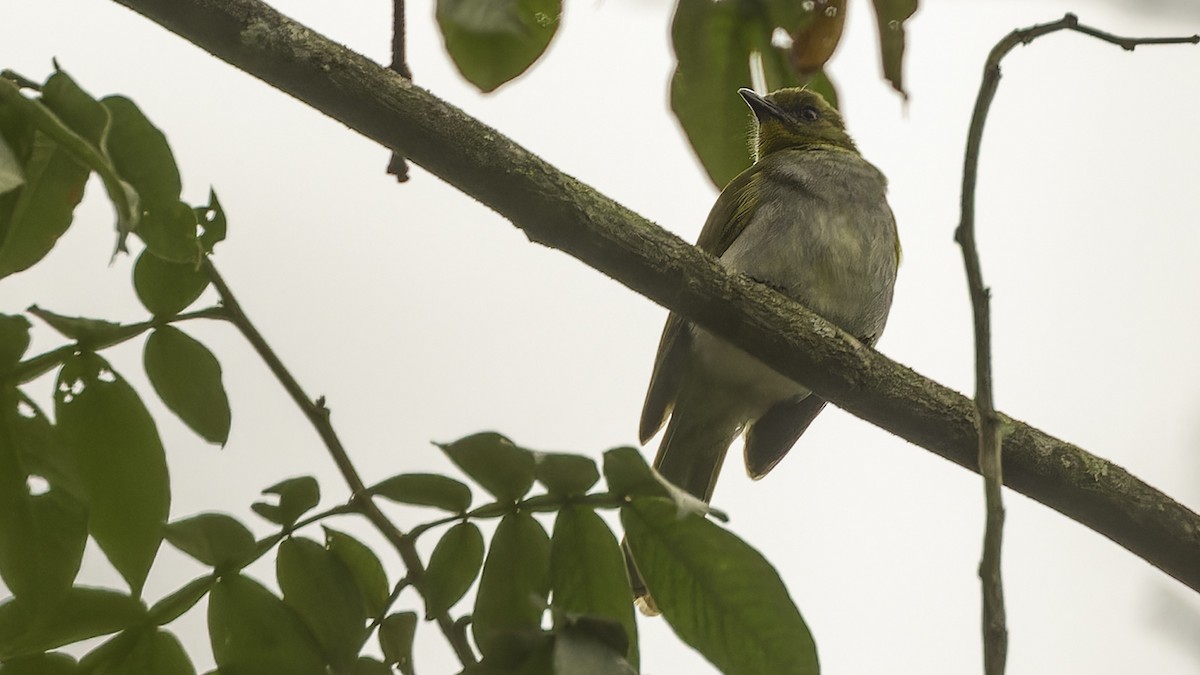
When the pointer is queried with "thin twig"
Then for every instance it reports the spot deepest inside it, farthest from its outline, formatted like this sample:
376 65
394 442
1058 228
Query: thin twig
318 416
991 427
397 165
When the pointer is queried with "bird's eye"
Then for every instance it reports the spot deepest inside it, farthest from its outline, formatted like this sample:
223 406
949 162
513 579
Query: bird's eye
810 114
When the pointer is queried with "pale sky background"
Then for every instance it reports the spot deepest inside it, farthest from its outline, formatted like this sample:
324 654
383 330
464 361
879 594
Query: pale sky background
422 315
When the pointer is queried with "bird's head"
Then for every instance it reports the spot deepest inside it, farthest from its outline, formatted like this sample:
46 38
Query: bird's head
795 118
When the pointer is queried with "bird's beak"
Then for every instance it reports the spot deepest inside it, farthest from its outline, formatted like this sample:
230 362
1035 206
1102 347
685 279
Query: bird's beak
763 109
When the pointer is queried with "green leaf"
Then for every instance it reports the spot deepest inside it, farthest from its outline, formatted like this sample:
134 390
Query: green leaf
42 536
713 62
513 588
364 566
396 633
719 594
255 633
153 651
52 663
577 651
587 573
628 474
120 460
12 176
296 497
187 377
176 604
452 568
426 489
212 222
215 539
890 16
321 590
564 474
366 665
142 156
14 340
166 288
88 332
494 41
82 613
44 207
494 462
76 108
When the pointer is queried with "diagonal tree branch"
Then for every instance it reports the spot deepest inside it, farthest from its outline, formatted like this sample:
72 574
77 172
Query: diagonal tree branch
558 211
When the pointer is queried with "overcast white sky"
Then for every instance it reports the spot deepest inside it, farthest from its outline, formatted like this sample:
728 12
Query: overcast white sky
421 315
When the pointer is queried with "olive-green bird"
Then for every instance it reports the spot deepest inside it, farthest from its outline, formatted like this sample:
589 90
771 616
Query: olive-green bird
809 218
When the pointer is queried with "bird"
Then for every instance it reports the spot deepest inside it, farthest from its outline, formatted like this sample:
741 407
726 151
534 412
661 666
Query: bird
809 218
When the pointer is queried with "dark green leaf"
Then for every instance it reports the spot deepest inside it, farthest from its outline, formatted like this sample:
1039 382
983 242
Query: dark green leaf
628 474
363 565
494 462
120 460
53 663
493 41
587 573
713 62
153 652
719 594
169 230
513 588
12 176
296 497
176 604
366 665
14 340
577 651
396 634
212 221
321 590
452 568
166 288
75 107
254 633
187 377
43 208
88 332
215 539
564 474
426 489
82 613
890 16
41 535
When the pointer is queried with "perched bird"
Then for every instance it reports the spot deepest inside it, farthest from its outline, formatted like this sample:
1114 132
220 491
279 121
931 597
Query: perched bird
809 218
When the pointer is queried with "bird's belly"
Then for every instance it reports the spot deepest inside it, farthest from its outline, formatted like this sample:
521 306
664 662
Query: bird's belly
744 382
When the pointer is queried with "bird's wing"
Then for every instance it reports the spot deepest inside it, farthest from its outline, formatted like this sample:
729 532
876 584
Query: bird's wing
734 207
774 434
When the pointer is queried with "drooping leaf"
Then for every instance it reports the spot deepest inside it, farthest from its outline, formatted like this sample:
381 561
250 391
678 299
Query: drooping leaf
719 594
396 633
587 573
890 16
215 539
255 633
496 463
75 107
51 663
426 489
565 474
452 568
187 377
628 474
364 566
150 651
166 288
88 332
212 222
513 588
14 340
319 587
493 41
818 36
296 497
120 460
44 207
